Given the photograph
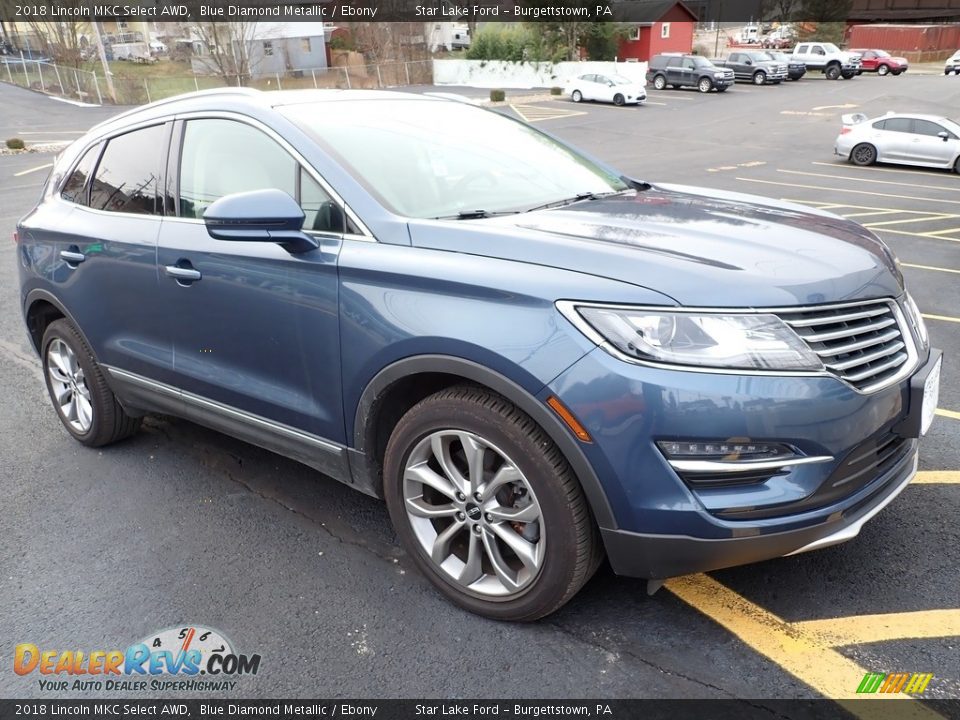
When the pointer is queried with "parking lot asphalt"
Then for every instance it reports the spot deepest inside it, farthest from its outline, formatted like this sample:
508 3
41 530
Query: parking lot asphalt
183 525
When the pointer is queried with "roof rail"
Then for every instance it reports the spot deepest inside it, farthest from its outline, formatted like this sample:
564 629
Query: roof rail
244 91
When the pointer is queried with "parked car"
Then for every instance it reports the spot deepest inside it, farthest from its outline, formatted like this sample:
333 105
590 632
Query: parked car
605 88
754 66
953 64
904 139
533 358
795 68
828 59
678 70
881 62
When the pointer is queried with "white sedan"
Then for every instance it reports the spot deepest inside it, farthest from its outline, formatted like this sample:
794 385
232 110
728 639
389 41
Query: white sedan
925 140
606 88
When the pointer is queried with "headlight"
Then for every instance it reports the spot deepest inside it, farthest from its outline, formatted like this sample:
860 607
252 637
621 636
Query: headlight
718 74
708 340
917 319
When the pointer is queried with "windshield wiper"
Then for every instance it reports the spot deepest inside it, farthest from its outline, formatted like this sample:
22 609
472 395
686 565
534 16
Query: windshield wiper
474 215
578 198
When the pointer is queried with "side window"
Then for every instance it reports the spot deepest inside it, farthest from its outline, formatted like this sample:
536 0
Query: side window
222 157
674 62
898 125
925 127
128 176
322 213
817 50
880 125
689 64
75 188
802 49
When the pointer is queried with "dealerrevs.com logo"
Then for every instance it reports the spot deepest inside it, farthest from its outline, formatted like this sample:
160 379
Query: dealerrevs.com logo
189 657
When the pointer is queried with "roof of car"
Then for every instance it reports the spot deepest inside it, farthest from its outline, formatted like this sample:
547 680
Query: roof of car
915 116
238 98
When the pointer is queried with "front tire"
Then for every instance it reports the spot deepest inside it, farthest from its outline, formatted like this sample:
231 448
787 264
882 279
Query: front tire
619 100
863 154
956 166
832 72
576 96
659 82
705 85
759 77
78 390
883 70
487 506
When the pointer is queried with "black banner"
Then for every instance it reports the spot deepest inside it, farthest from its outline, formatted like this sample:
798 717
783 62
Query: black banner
339 11
479 709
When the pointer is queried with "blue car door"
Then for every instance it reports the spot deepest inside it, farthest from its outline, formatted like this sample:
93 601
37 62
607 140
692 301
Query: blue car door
254 328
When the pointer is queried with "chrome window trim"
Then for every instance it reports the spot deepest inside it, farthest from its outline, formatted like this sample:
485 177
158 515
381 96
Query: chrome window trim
568 308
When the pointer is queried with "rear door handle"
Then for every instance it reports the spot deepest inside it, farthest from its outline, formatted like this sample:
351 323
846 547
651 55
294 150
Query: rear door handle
182 273
72 256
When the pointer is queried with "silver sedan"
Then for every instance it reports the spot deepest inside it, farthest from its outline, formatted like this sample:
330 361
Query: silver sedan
925 140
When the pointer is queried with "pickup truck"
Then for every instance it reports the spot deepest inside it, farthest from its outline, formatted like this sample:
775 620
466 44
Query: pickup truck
828 59
754 66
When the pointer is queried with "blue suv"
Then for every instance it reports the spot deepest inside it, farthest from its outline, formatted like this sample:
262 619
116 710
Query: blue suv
535 360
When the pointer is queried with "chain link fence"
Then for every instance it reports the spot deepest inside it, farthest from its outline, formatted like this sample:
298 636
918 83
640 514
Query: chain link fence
86 86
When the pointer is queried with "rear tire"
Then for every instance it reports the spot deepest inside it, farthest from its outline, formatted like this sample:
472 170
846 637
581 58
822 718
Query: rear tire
78 390
463 543
863 154
659 82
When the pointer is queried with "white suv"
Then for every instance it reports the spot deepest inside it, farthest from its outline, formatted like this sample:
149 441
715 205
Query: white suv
953 64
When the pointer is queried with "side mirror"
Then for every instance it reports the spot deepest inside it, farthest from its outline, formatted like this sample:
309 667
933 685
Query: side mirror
943 134
748 61
259 216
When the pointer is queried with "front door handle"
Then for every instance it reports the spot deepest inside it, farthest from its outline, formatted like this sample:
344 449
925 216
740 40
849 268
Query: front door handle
74 257
182 274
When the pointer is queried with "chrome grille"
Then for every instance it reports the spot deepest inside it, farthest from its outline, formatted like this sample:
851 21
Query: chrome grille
866 344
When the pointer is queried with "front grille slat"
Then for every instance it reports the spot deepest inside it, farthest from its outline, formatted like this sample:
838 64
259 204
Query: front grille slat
864 344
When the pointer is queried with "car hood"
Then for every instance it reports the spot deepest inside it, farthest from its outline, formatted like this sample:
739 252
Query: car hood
699 247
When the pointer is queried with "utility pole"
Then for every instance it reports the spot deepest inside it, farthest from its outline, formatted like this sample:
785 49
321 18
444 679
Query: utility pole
716 43
103 61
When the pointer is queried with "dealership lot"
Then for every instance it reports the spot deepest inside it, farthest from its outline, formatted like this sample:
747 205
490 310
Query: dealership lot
183 525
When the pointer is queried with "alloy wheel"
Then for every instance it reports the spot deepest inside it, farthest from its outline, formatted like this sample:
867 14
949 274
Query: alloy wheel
474 514
69 386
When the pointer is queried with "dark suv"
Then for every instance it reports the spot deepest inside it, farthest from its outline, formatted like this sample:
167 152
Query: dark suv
534 359
688 71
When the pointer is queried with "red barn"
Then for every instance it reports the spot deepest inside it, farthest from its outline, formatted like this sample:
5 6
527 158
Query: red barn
669 28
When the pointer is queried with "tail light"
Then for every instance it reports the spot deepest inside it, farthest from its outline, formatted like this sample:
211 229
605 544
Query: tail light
16 237
844 130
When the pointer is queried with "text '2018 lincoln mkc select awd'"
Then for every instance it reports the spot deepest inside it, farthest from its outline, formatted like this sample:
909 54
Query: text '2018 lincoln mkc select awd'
535 360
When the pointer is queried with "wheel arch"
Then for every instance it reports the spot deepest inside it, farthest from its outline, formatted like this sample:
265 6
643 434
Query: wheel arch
40 308
402 384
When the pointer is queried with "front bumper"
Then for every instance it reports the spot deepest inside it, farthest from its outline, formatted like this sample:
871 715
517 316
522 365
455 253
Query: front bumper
666 527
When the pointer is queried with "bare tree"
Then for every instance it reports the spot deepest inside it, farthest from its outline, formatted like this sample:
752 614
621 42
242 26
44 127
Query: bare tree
229 47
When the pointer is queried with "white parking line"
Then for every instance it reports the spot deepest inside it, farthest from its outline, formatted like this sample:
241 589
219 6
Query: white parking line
868 180
33 170
872 169
847 190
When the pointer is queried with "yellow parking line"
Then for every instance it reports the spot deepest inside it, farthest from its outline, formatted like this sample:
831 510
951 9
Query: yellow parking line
945 318
942 232
928 236
848 190
878 628
953 415
802 654
872 169
864 207
937 477
865 214
862 180
909 220
929 267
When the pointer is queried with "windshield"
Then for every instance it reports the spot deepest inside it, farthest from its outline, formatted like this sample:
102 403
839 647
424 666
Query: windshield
881 53
621 80
434 158
830 48
701 62
776 56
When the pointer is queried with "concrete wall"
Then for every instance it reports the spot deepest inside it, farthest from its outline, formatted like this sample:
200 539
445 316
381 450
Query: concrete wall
503 74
